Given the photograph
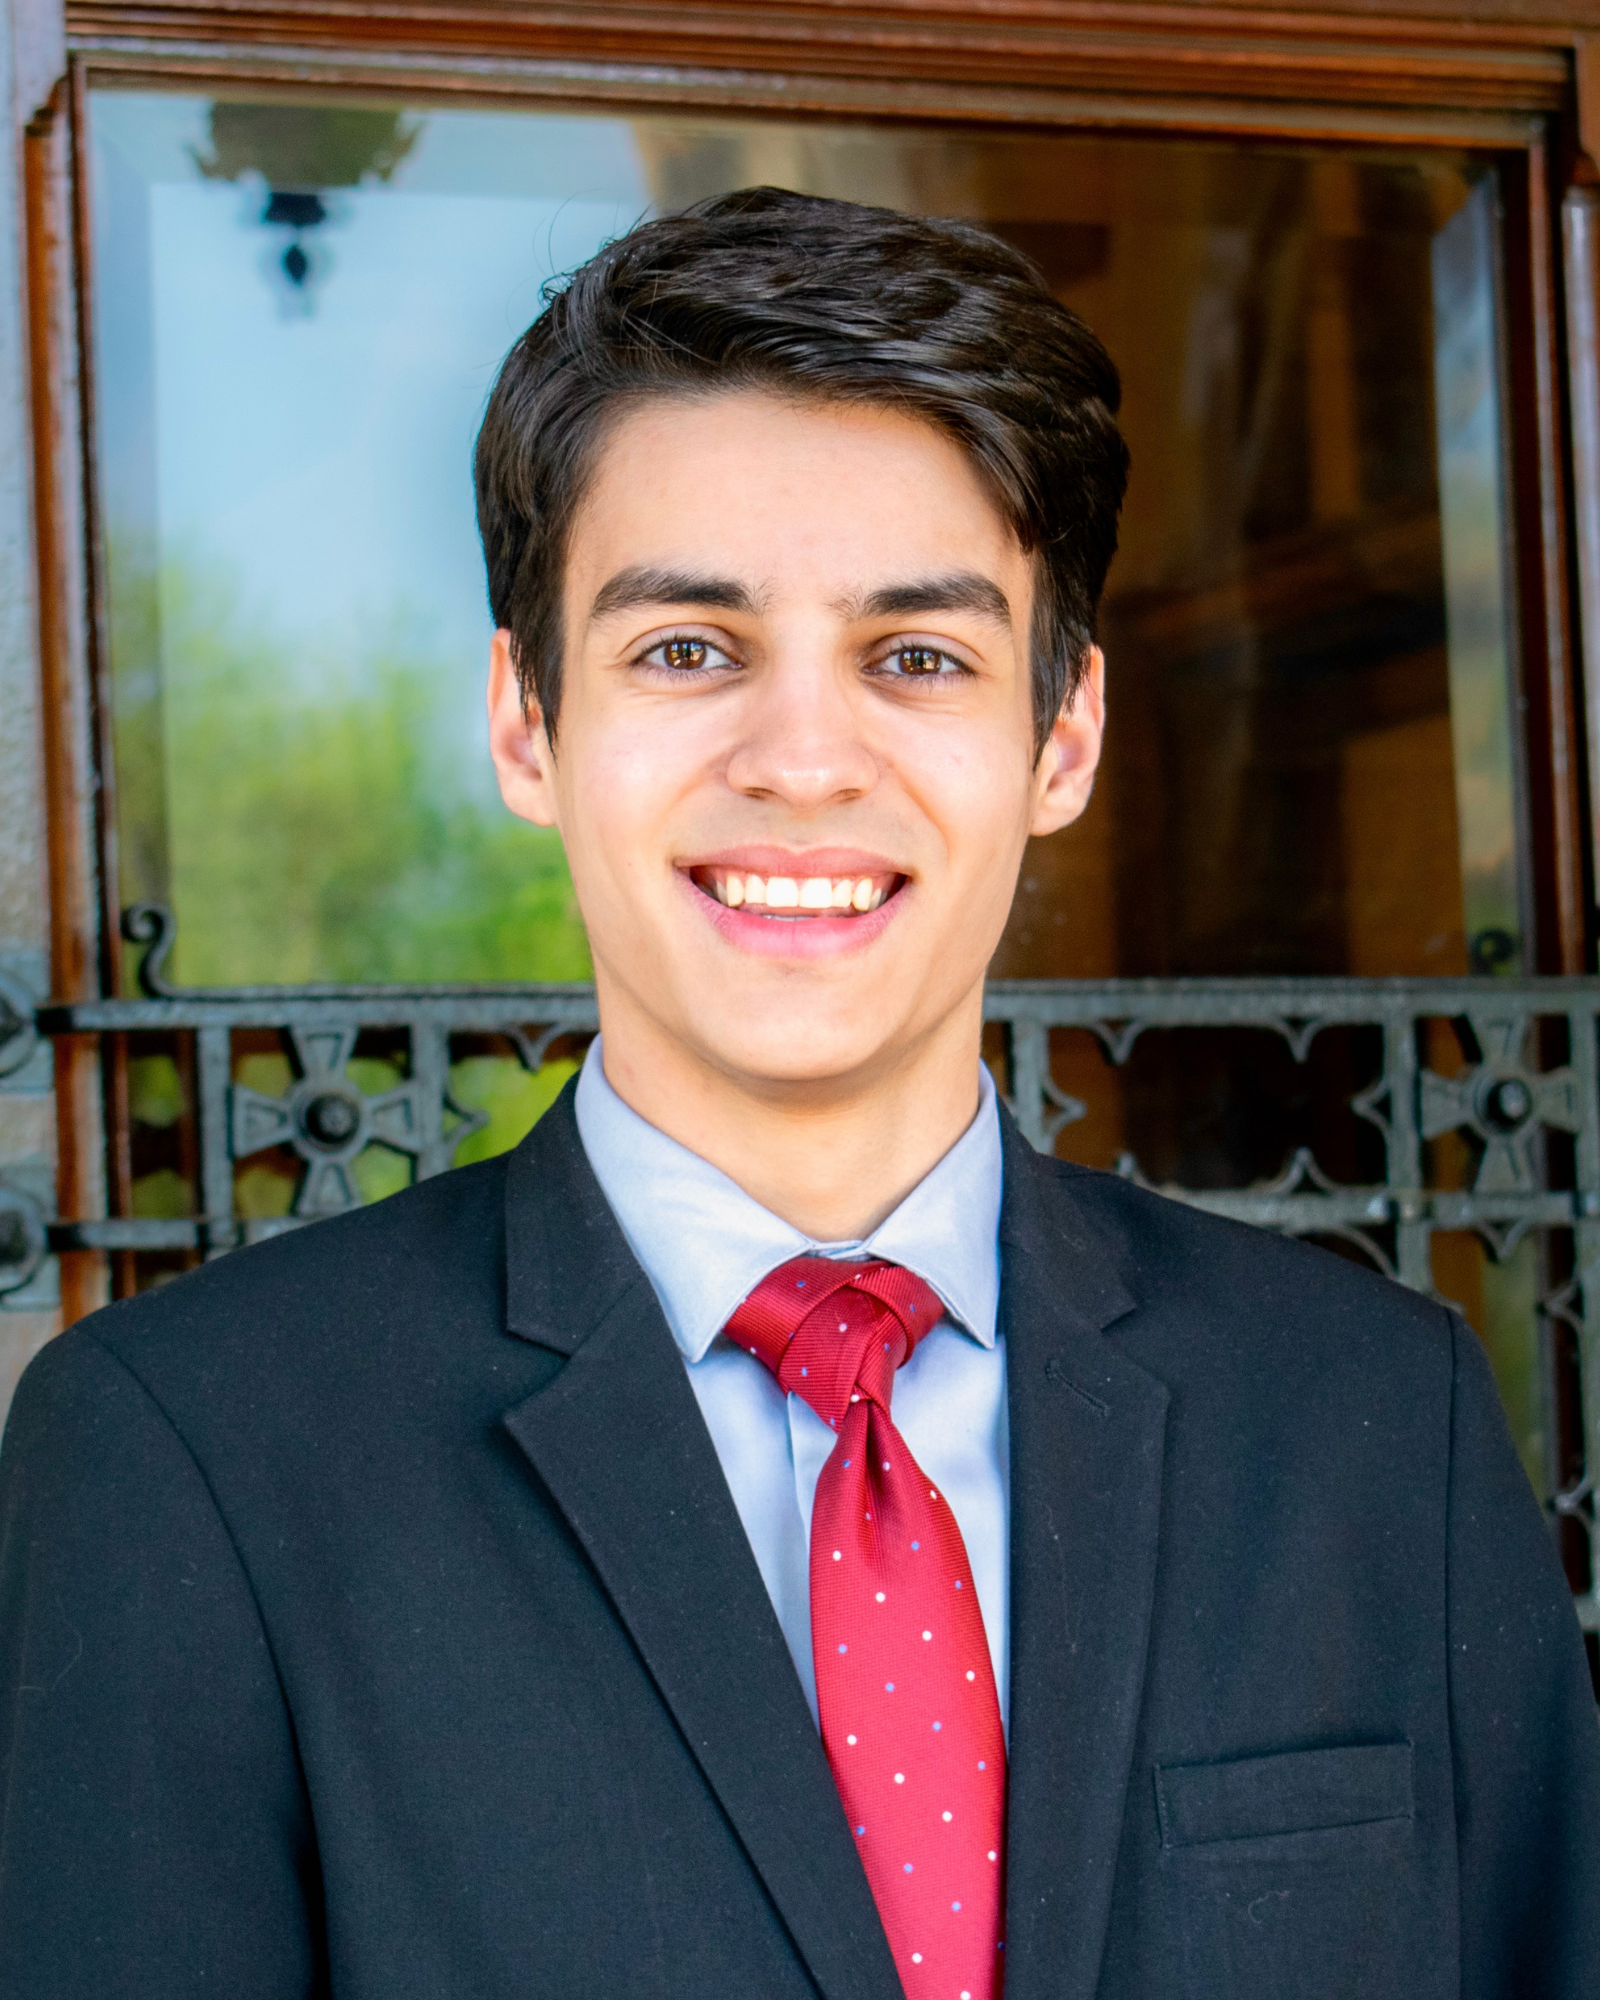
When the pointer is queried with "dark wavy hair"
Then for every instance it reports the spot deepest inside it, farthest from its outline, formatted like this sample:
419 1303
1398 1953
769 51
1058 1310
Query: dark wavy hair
816 299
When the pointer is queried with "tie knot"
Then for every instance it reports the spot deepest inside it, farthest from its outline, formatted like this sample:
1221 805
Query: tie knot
834 1330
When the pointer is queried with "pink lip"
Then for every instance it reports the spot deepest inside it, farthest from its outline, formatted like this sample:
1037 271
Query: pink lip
796 937
785 861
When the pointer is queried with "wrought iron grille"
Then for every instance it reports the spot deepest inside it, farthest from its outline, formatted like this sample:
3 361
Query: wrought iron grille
1472 1108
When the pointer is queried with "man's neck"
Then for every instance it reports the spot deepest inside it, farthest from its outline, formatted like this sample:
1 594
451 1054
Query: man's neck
832 1158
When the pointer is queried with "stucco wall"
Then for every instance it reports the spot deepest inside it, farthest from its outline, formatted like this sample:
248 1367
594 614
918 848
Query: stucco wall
27 1117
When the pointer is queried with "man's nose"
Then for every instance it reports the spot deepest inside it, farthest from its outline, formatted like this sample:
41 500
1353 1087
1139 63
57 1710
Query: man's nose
801 738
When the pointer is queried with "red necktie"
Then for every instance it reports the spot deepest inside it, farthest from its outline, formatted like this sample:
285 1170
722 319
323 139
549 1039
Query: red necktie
910 1719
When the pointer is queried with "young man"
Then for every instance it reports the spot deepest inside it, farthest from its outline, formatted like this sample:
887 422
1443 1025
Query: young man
773 1534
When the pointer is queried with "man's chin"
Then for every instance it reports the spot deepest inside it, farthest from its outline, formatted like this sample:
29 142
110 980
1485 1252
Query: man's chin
776 1045
777 1025
817 1077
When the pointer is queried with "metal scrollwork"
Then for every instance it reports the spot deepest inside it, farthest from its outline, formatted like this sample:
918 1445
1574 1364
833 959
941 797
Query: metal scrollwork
327 1119
18 1036
24 1241
1064 1110
1503 1103
153 926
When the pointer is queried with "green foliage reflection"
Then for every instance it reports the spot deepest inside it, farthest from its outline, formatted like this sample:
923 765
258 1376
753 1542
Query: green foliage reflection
308 819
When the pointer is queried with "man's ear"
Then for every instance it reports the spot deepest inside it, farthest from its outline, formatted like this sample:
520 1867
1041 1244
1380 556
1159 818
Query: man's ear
523 760
1068 762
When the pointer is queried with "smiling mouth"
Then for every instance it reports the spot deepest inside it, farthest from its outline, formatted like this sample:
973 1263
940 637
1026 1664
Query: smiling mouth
793 897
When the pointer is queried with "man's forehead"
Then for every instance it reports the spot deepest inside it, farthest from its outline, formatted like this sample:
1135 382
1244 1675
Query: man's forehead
753 506
749 483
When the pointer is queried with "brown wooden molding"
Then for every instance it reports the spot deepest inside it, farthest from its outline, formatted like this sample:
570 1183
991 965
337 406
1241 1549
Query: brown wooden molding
1530 84
1554 702
1105 45
1267 72
97 676
1586 92
922 37
224 69
65 703
1548 673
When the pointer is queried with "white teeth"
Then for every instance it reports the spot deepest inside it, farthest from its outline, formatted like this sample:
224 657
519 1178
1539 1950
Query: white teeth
816 893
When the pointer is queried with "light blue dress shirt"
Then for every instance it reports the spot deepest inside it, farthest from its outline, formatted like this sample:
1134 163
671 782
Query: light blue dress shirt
705 1244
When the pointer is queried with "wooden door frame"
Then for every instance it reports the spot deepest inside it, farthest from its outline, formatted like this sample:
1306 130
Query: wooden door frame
1526 87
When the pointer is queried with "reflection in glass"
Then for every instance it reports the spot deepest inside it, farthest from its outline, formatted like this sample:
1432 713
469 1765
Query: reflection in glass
298 627
1477 569
1310 765
301 308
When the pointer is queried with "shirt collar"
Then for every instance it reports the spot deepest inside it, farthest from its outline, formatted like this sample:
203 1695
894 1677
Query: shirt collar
705 1244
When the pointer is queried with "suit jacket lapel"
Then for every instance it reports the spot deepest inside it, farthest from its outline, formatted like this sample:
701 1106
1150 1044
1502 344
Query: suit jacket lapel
1087 1440
619 1442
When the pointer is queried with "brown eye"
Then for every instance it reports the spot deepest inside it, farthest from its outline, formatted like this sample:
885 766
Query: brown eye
919 660
684 656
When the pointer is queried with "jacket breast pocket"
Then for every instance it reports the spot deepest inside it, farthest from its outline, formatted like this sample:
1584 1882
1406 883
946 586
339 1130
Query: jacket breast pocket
1292 1877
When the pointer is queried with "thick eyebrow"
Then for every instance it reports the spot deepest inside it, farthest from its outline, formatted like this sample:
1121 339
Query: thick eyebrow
961 590
631 589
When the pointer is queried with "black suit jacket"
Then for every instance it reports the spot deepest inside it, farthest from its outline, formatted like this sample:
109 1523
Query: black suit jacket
375 1621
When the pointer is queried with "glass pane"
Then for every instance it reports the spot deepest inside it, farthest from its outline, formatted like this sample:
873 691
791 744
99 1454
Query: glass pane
300 308
1477 569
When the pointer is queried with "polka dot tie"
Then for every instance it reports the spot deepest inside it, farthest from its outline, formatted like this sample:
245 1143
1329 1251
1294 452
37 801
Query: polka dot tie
910 1719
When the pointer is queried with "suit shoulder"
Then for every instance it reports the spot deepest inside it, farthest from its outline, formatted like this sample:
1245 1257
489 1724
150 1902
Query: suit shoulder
1257 1277
67 1385
331 1278
88 1461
